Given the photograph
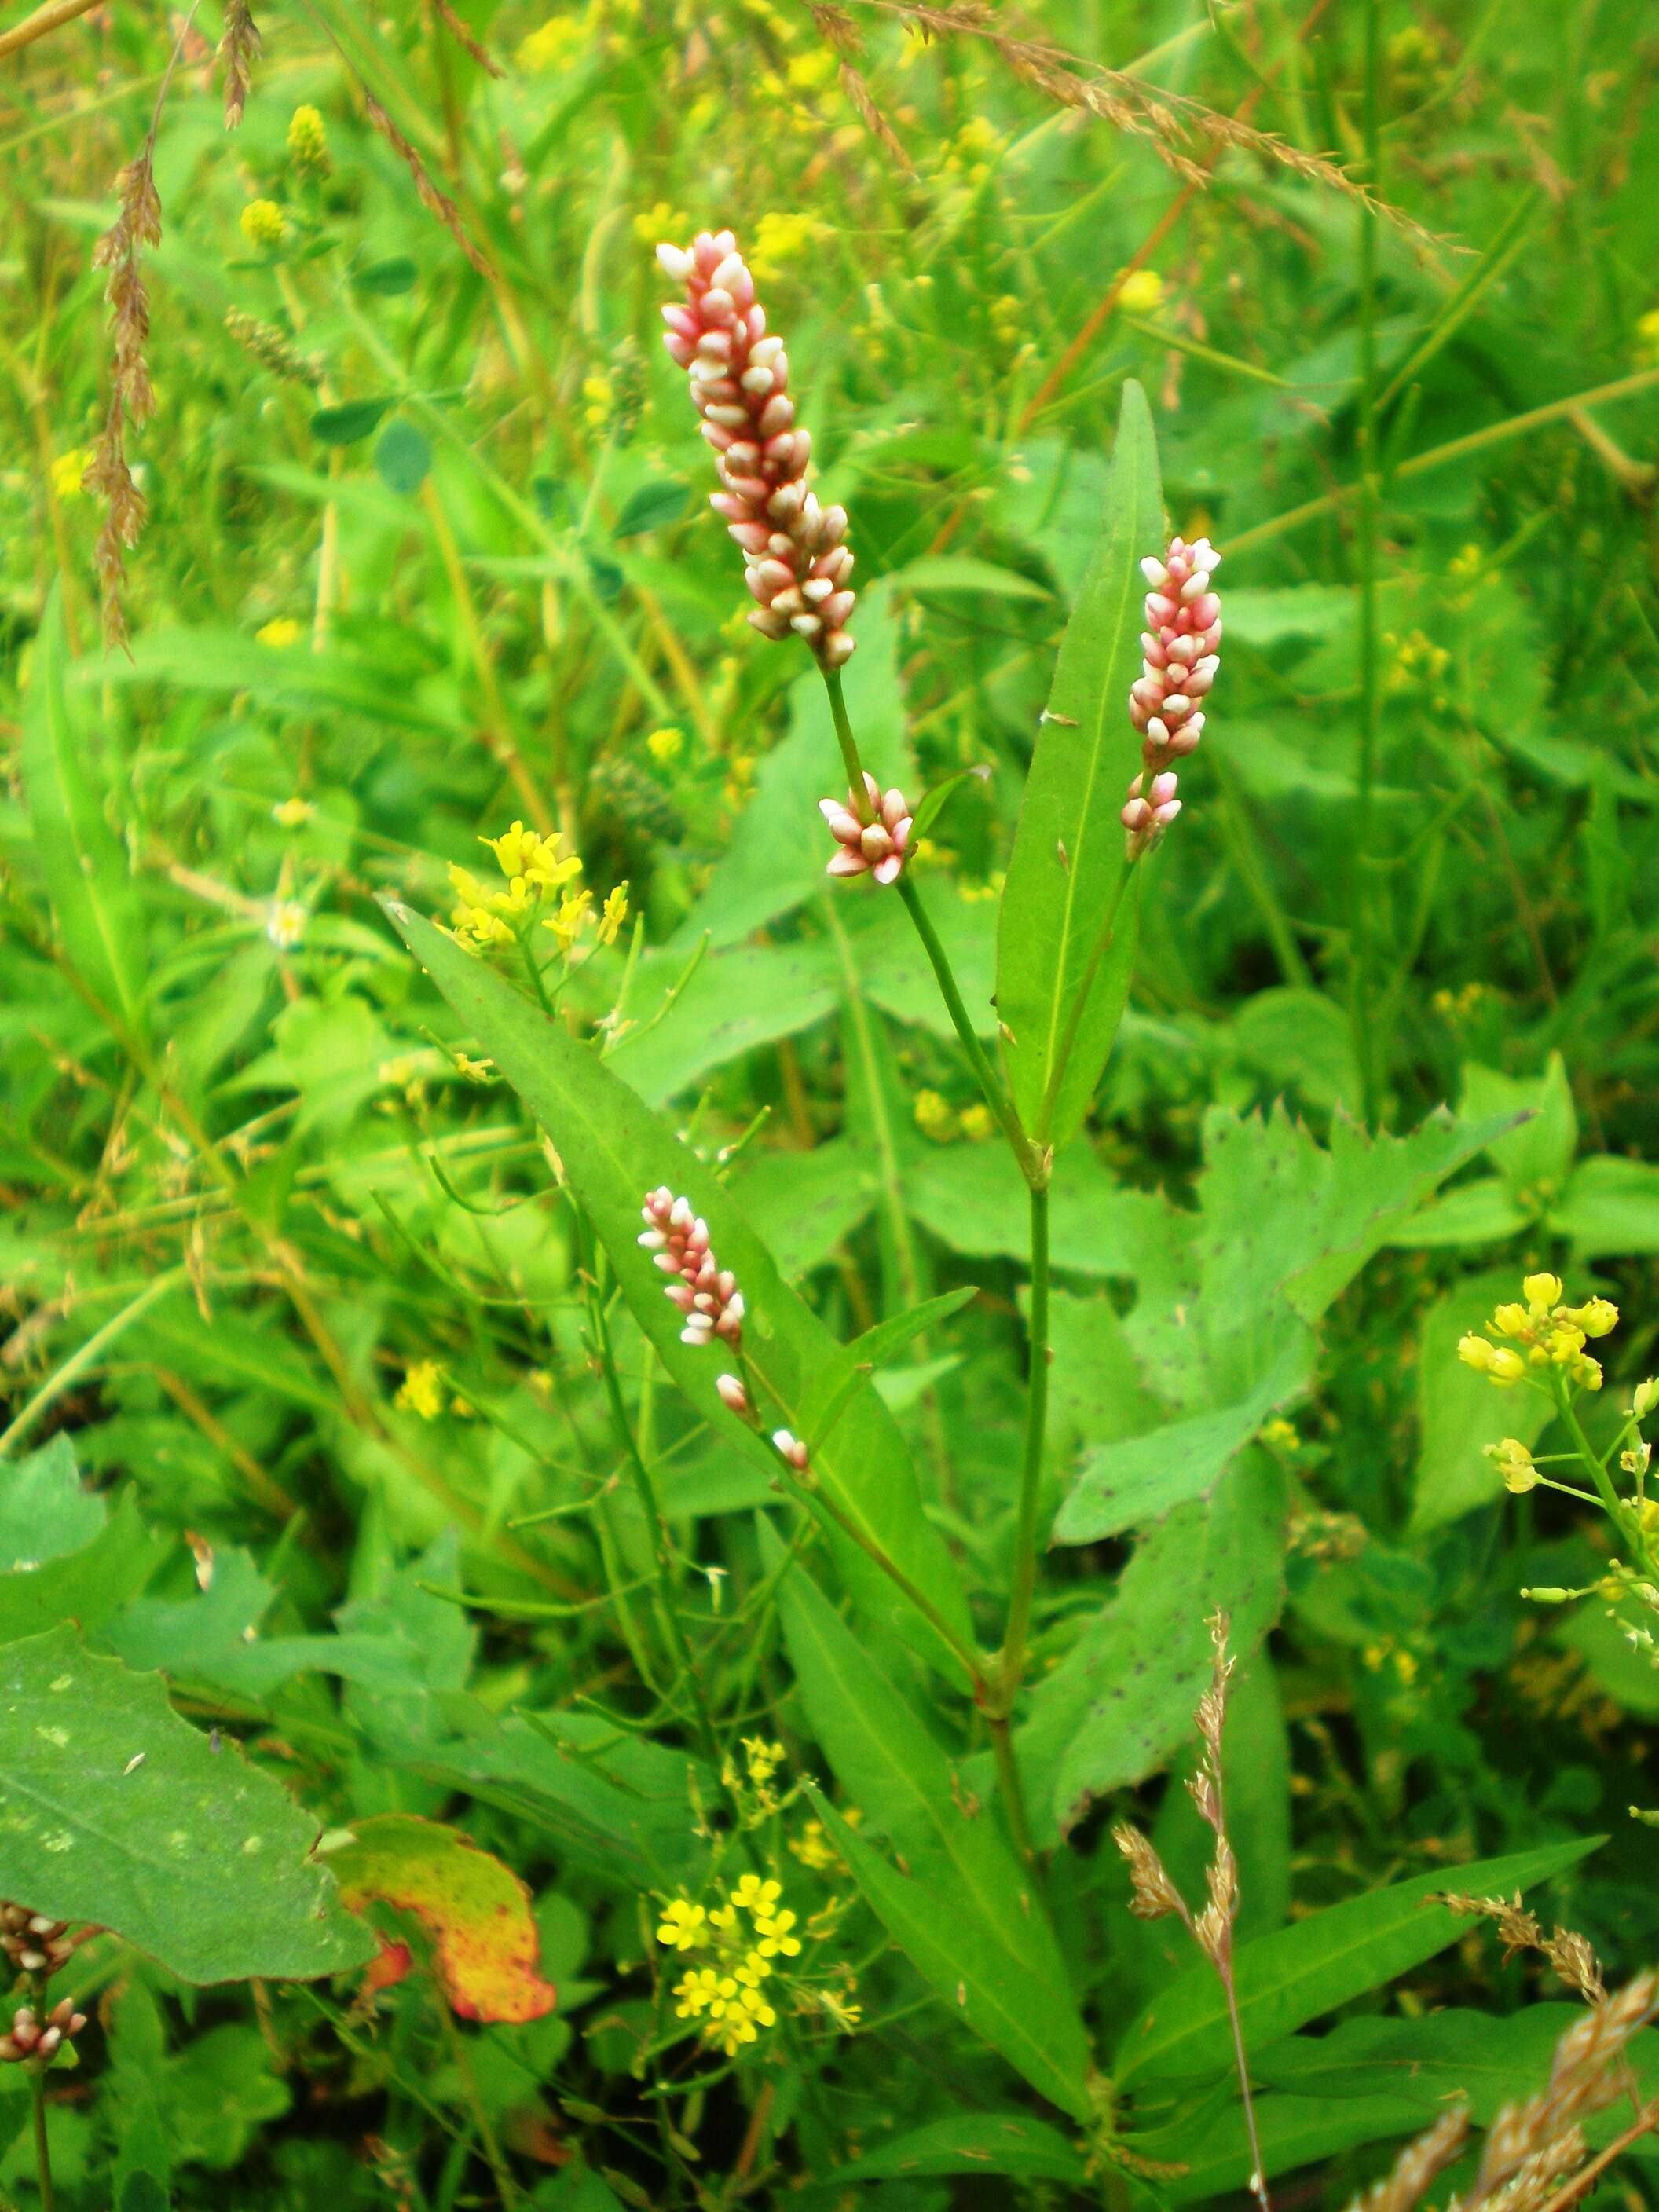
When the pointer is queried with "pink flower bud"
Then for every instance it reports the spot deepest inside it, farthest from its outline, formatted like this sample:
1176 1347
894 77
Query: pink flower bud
871 831
1178 667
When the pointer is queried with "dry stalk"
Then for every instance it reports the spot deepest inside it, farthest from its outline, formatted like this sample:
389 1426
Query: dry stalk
132 395
462 37
1534 2158
1185 134
438 204
1155 1897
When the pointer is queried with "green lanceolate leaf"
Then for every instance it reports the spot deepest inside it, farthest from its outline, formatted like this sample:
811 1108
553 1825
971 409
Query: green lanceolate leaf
1067 865
964 1910
963 1962
115 1811
1287 1979
95 900
614 1150
972 2142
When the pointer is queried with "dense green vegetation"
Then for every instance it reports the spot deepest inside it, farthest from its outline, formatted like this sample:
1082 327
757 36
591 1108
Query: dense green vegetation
451 1753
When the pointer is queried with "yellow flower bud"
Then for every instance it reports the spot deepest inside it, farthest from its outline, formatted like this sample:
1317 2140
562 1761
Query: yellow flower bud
1645 1398
1542 1292
1510 1320
1507 1366
264 224
1596 1317
1475 1352
1514 1463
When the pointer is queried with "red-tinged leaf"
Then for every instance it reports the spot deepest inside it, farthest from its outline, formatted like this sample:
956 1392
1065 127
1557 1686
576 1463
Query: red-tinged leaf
476 1911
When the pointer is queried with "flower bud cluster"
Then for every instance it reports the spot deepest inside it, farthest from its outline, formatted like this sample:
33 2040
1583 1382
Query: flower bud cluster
1551 1335
798 566
872 837
32 2037
1180 649
33 1943
705 1292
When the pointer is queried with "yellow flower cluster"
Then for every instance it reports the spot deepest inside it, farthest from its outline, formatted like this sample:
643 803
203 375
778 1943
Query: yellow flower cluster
264 224
1551 1336
748 1933
780 239
1141 292
307 139
279 633
422 1390
534 873
938 1119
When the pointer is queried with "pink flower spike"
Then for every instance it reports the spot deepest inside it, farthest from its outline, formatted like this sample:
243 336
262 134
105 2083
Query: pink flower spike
702 1290
1181 659
737 376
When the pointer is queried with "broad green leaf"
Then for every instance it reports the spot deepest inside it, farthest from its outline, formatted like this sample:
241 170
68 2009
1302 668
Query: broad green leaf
1534 1158
875 1350
344 425
476 1910
802 1205
1287 1979
971 1893
1610 1209
1140 1479
1068 861
1479 1212
1458 1410
614 1150
734 1001
114 1810
949 572
1292 2131
652 505
968 1970
970 2143
974 1199
1121 1700
403 457
95 903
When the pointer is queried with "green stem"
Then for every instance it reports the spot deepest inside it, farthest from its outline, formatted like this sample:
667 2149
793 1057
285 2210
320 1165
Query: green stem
1012 1663
42 2152
1362 1012
657 1526
844 738
1618 1512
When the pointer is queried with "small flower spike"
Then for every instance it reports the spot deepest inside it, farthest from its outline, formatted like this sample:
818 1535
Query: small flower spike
872 837
798 565
707 1294
1182 647
32 2038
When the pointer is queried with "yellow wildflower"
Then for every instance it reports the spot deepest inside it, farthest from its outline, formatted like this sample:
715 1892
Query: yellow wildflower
264 224
474 1071
422 1390
664 745
933 1116
976 1122
782 239
663 220
776 1940
1645 1398
279 633
754 1895
307 139
1281 1434
763 1760
1514 1463
67 470
612 914
558 41
1542 1293
1141 291
292 813
1596 1317
566 924
684 1925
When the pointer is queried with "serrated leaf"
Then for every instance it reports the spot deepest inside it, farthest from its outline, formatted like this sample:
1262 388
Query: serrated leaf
95 903
614 1150
114 1810
1121 1700
476 1910
1140 1479
1287 1979
1068 858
